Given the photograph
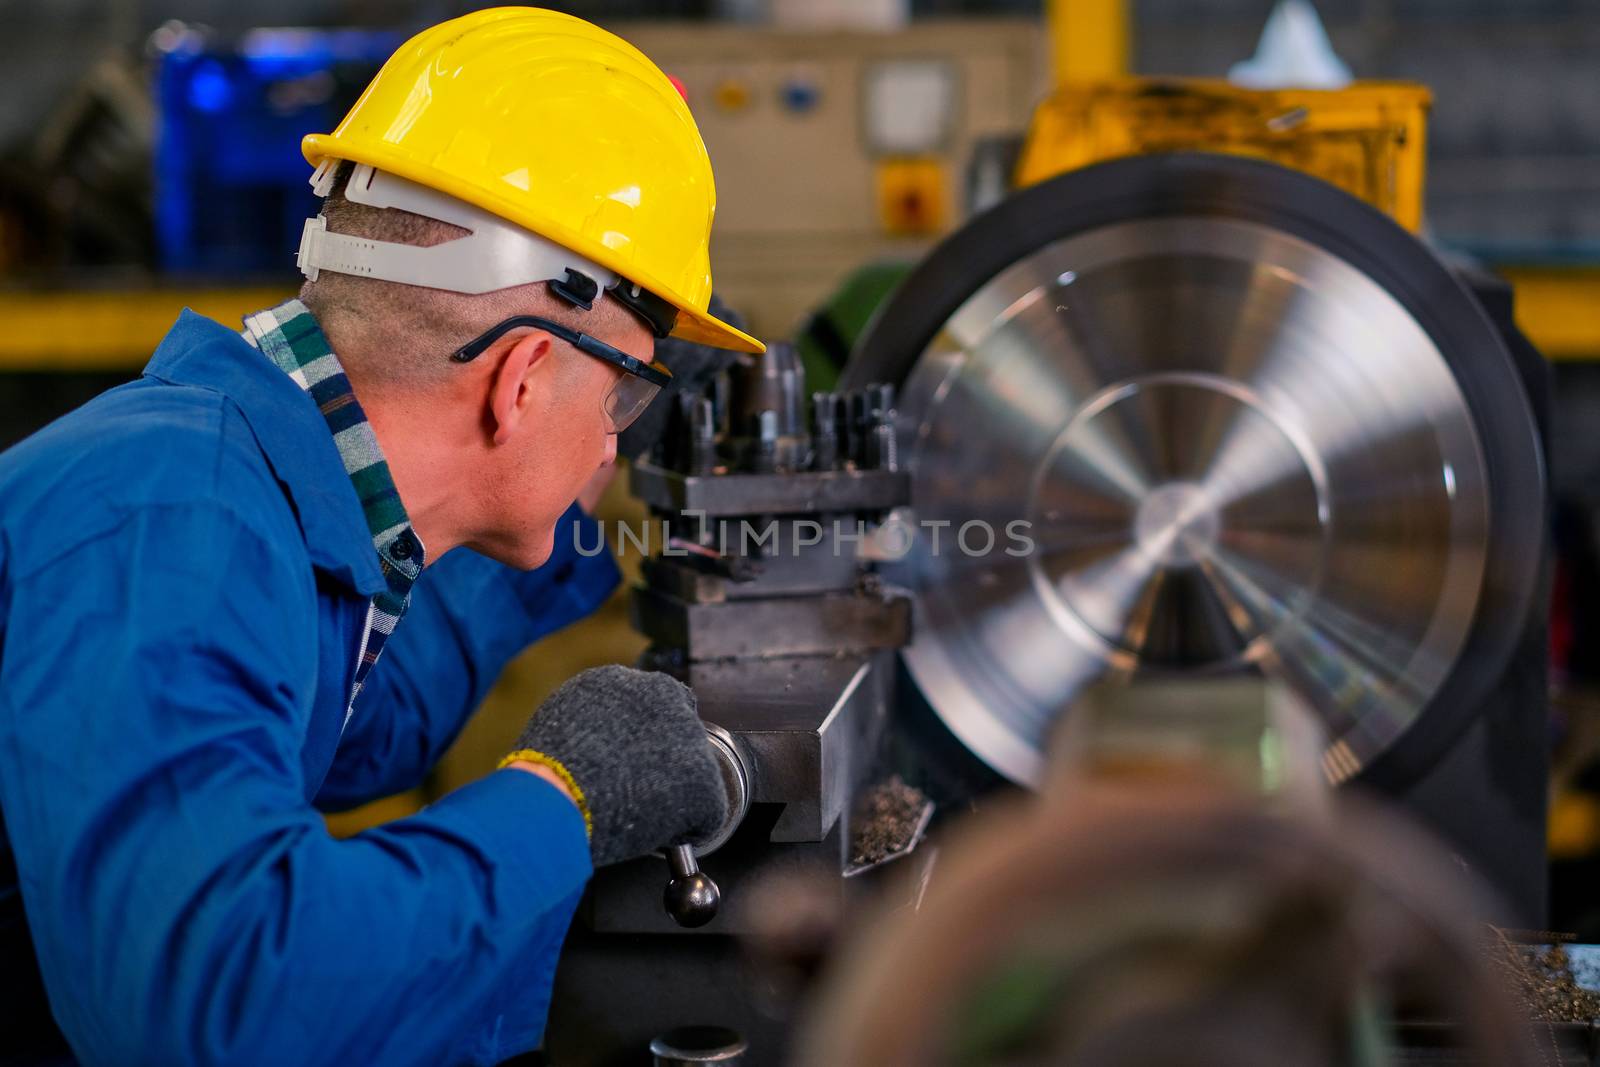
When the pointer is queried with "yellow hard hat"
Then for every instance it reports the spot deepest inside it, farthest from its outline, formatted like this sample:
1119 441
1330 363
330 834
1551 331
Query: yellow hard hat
554 124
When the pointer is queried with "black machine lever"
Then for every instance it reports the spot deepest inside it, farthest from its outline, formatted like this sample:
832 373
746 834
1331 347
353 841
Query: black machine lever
691 897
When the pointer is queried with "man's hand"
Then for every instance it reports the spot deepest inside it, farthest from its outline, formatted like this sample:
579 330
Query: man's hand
633 754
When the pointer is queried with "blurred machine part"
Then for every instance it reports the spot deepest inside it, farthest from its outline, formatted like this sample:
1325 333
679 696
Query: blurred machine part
1294 53
1251 430
231 190
831 331
1369 139
1248 734
76 192
835 148
1178 924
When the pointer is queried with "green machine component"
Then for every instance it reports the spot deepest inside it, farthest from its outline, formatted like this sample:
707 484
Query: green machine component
831 331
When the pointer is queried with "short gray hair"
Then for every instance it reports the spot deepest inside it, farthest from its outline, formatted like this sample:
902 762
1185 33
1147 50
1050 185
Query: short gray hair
396 334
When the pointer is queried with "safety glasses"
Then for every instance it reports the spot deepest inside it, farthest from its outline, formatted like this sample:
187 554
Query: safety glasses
625 400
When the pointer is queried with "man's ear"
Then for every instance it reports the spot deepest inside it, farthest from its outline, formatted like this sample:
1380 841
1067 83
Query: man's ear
512 393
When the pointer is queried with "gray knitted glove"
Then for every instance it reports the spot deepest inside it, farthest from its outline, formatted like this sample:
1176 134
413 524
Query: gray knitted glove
633 745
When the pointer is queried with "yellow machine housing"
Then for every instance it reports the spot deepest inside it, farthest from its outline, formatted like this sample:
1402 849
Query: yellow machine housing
1369 139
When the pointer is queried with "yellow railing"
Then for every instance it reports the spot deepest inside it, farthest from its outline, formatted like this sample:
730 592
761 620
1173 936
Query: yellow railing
107 330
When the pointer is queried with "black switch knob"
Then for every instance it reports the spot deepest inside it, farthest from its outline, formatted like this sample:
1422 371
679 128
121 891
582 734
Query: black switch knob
691 897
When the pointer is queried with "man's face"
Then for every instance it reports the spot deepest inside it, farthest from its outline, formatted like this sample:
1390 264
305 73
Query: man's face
562 444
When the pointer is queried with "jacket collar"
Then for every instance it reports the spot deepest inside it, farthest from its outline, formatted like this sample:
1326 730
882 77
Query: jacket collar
292 434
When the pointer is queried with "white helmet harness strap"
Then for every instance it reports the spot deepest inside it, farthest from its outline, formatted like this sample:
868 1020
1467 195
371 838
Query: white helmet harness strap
495 253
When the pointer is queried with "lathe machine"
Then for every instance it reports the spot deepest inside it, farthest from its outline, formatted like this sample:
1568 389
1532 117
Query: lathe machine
1165 421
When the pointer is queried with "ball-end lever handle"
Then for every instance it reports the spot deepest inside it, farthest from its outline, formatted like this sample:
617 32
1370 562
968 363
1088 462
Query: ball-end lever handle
691 897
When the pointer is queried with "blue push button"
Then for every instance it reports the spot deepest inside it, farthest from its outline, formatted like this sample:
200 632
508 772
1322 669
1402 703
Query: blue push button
799 95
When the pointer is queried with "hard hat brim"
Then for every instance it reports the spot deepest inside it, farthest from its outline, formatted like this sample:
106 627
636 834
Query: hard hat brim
704 329
693 324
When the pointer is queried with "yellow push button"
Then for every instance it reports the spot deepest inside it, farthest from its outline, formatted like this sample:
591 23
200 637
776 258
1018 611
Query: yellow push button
912 196
731 94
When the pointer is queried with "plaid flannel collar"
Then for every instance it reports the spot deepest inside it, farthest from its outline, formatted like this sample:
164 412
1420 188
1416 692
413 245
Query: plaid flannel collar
289 335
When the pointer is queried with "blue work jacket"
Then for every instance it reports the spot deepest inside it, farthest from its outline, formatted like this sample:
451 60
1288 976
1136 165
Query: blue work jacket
185 572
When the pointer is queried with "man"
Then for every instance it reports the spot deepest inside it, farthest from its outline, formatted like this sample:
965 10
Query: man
215 621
